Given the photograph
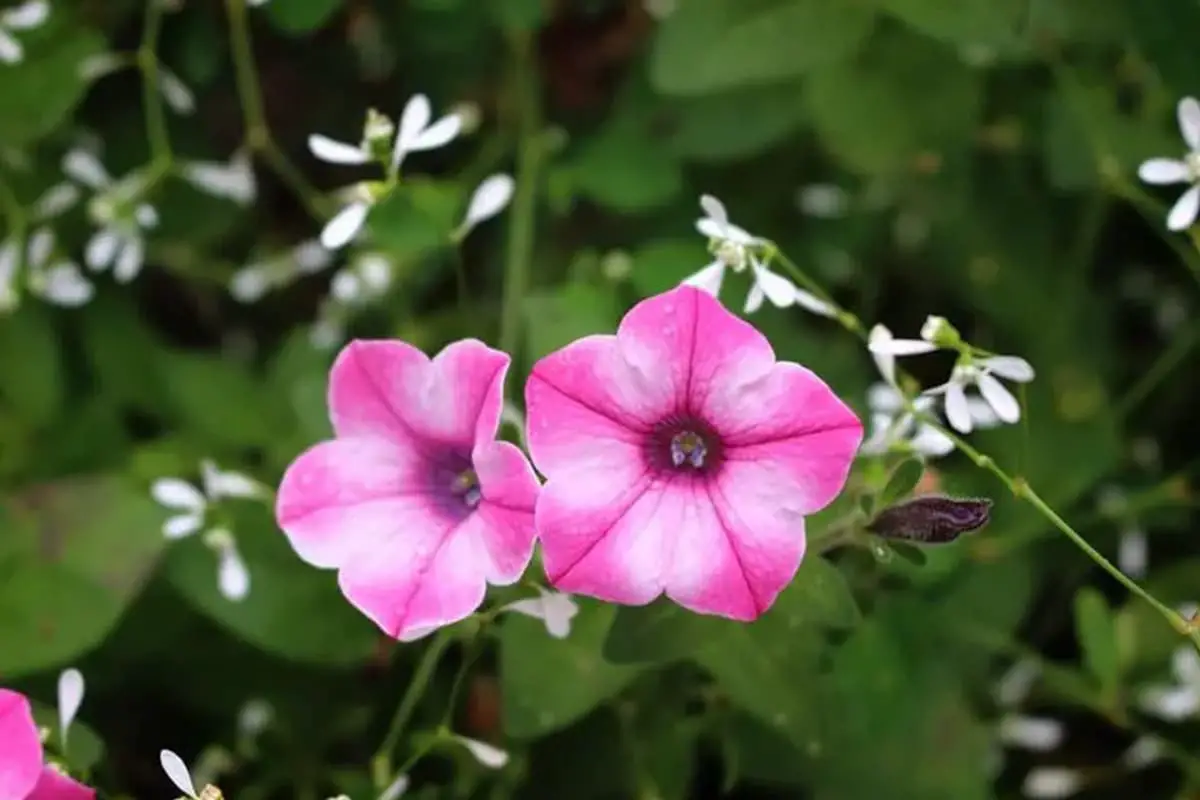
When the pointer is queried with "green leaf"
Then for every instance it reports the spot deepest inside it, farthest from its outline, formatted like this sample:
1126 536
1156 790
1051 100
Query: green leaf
73 555
554 318
1097 633
623 169
122 351
661 264
38 93
217 400
710 46
301 16
31 374
549 683
905 97
85 747
293 610
1164 33
989 23
720 128
901 482
417 219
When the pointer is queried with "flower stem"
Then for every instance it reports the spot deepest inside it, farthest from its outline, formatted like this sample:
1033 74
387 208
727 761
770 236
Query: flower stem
524 208
847 319
156 116
258 135
381 764
1170 358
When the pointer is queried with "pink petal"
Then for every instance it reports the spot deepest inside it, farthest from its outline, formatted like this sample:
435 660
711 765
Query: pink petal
424 578
53 785
791 424
20 746
334 499
510 491
390 388
740 541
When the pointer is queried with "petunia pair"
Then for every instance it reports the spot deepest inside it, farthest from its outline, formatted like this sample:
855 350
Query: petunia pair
679 457
24 773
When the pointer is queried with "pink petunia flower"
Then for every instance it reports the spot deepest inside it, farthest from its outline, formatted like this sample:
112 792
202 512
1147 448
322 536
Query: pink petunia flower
414 502
24 775
681 457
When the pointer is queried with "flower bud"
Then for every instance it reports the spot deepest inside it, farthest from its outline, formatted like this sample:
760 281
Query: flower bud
931 519
939 331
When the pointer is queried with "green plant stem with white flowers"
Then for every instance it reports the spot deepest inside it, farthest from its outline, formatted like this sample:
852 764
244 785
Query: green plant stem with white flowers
156 116
1020 487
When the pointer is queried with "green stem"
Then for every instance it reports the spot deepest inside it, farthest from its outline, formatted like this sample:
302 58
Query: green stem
1167 360
847 320
524 207
156 115
381 764
258 134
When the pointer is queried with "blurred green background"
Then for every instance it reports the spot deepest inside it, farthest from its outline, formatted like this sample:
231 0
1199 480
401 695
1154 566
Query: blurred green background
970 158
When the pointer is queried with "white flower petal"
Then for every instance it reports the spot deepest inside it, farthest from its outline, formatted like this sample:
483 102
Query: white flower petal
957 412
714 210
332 151
1183 213
11 51
396 789
41 245
778 289
1133 552
83 167
311 257
177 493
130 259
1012 367
1188 113
929 441
182 525
228 483
488 755
554 609
175 92
346 287
1051 783
28 15
1015 684
708 279
233 181
70 698
1039 734
233 578
145 216
102 248
344 226
1185 666
1144 751
810 302
754 299
489 199
877 342
64 285
249 284
1164 171
1170 703
177 771
999 398
438 134
413 119
55 200
982 413
901 347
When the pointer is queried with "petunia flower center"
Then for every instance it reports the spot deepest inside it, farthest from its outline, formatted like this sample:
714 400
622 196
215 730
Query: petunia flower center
684 446
465 486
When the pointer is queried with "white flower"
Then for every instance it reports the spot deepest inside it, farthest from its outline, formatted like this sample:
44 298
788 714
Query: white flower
233 181
1040 734
178 773
220 484
366 279
233 578
254 280
1184 170
70 698
122 217
178 96
413 134
58 281
892 425
884 347
554 609
1132 551
179 495
982 373
395 789
1179 700
734 248
490 198
1050 783
30 14
488 755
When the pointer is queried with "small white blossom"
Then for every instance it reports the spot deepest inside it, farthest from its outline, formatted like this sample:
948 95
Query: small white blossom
486 754
55 279
253 281
490 198
232 181
1039 734
178 773
122 218
1182 170
180 496
893 426
30 14
70 698
982 374
178 96
233 578
416 133
554 609
1179 700
365 279
220 484
1051 783
1133 552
